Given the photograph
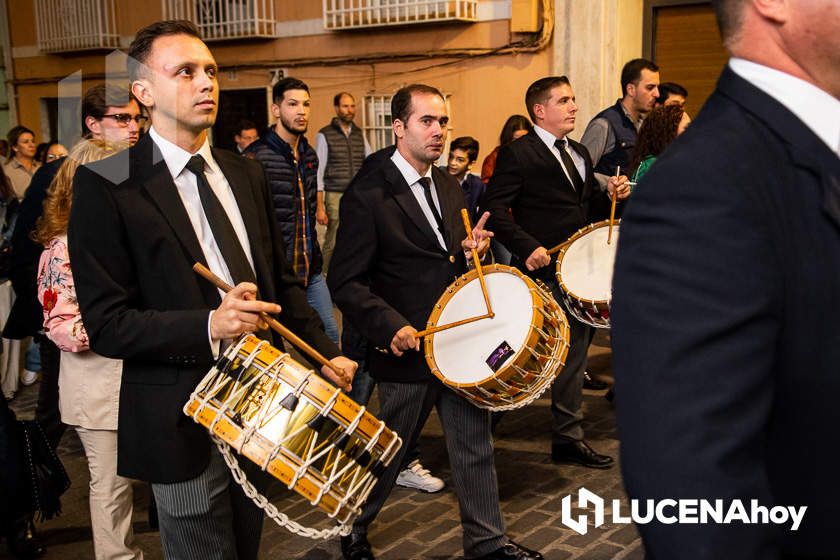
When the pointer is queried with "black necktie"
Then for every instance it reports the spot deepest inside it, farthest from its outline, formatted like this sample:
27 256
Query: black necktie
570 166
426 183
226 238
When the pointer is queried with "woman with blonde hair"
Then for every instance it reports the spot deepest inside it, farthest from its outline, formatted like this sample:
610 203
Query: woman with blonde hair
88 384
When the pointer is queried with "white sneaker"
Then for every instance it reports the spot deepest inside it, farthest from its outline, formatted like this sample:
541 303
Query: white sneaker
28 377
415 476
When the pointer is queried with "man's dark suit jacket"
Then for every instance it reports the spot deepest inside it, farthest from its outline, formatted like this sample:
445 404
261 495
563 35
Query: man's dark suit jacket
132 247
388 269
546 209
725 333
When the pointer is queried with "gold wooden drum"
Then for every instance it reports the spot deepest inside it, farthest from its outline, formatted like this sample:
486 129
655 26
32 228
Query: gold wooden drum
294 425
585 270
504 362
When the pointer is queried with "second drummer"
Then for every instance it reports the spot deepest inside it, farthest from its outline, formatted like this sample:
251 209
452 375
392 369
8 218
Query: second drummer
546 180
400 244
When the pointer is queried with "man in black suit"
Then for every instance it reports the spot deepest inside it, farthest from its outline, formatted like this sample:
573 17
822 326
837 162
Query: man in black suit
139 221
725 338
400 243
546 180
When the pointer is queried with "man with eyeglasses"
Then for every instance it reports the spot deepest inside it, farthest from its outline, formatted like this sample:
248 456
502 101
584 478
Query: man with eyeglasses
110 112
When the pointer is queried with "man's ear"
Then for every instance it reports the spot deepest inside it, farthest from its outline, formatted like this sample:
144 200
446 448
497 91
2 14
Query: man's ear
774 10
539 110
399 128
275 110
93 125
143 93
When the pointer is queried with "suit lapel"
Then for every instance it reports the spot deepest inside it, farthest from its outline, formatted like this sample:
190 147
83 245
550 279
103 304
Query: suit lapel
549 158
587 169
157 181
408 203
807 150
449 207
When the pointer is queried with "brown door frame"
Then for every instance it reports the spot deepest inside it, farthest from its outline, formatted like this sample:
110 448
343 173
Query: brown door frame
649 22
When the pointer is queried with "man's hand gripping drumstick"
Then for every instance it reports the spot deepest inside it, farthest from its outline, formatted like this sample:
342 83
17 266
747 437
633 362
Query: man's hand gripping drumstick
475 246
241 312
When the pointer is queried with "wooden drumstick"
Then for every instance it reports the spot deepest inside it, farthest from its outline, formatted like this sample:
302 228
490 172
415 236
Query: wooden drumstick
207 274
558 248
466 217
612 208
433 330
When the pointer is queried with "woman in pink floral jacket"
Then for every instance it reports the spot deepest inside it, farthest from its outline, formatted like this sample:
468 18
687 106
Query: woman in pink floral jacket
88 384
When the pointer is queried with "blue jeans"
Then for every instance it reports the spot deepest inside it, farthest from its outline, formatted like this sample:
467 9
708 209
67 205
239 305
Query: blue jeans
33 357
318 296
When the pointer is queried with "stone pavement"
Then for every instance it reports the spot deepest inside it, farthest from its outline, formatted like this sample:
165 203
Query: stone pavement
414 525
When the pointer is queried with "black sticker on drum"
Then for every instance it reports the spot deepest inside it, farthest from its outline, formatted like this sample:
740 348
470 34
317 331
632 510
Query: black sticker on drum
500 356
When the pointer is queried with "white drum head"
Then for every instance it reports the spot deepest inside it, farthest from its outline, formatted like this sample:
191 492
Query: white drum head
587 267
462 353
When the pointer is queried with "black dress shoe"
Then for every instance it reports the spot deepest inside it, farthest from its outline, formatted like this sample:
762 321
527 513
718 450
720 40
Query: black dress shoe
512 551
356 547
580 453
593 384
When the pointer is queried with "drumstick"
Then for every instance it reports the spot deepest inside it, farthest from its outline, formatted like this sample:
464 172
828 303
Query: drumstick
558 248
466 217
207 274
433 330
612 208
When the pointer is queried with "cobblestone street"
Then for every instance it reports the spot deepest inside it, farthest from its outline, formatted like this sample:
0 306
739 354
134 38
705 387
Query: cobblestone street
414 525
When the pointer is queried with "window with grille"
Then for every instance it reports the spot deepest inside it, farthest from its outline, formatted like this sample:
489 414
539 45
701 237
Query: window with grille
225 19
76 25
355 14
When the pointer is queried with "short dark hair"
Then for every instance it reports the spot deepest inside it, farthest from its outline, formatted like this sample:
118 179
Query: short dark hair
540 91
401 107
467 144
632 72
512 124
670 88
280 88
730 17
13 136
339 95
141 46
97 99
244 124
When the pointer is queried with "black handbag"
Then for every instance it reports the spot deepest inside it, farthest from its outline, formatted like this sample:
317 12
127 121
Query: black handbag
42 470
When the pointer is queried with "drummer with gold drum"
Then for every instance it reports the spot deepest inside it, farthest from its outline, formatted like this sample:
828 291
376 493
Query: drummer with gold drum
547 182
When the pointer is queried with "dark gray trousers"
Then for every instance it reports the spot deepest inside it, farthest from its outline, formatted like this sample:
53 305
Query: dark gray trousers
567 389
209 517
405 408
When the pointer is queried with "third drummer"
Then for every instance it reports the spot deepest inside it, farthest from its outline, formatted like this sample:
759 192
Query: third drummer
546 179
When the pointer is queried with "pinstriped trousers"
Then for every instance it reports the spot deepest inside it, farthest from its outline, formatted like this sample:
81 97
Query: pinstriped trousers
404 407
210 517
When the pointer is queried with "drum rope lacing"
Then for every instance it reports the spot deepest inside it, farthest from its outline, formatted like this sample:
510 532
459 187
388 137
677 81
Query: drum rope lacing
361 483
548 373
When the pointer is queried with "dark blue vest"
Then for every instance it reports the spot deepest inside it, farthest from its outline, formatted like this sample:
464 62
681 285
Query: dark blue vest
625 139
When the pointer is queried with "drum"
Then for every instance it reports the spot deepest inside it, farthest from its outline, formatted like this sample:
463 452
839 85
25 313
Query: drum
504 362
295 426
584 272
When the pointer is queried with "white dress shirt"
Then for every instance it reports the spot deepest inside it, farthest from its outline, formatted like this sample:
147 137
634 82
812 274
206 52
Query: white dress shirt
176 160
817 109
412 177
549 139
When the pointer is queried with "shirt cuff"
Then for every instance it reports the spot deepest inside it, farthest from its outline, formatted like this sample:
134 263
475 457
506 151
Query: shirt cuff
215 345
